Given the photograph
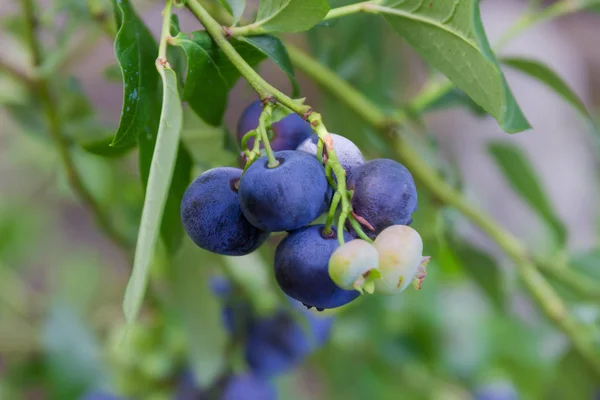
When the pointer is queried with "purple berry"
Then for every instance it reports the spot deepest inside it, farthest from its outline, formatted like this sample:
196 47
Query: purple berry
302 268
285 197
288 132
384 194
248 387
347 152
212 217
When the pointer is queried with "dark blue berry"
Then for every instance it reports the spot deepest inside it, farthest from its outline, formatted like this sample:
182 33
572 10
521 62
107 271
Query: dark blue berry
98 394
302 268
384 194
497 391
248 387
288 132
278 343
211 214
286 197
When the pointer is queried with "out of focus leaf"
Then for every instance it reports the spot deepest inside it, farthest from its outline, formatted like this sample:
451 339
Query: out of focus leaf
290 15
546 75
480 267
157 191
136 51
200 311
113 73
72 353
451 37
210 74
273 48
587 263
572 379
235 8
522 177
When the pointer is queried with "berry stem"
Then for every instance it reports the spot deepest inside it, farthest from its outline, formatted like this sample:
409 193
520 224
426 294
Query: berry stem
247 137
263 122
331 215
358 229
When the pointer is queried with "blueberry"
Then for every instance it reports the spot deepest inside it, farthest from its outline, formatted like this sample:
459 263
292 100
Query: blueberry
277 343
497 391
220 286
301 268
384 194
347 152
248 387
212 217
288 132
286 197
97 394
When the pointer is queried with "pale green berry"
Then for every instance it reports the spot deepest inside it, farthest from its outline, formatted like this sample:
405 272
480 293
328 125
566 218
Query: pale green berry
401 259
354 266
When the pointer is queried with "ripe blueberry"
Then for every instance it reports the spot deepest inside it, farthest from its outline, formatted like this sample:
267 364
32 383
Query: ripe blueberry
355 266
286 197
279 342
211 214
288 132
248 387
400 259
301 268
347 152
384 194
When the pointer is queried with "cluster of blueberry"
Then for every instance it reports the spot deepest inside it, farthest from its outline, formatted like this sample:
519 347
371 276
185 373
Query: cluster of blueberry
272 344
231 211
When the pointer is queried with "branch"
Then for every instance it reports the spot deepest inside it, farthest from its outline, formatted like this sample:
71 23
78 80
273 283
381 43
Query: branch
541 290
42 88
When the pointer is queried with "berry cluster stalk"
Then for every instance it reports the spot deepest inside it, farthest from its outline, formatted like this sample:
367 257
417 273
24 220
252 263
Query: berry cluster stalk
266 93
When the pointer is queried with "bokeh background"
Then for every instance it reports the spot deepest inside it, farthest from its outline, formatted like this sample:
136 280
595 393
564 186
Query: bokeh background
471 332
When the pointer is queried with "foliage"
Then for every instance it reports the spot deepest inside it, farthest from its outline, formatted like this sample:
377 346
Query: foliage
64 331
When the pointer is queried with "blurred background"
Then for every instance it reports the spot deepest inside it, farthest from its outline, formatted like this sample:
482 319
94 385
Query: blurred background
470 333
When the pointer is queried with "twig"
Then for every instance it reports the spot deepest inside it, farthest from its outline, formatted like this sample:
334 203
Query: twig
44 94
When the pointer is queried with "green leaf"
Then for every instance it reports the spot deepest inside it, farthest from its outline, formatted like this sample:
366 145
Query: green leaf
290 15
522 177
273 48
171 229
136 51
451 37
161 172
102 147
544 74
235 8
456 97
210 74
480 267
200 312
573 379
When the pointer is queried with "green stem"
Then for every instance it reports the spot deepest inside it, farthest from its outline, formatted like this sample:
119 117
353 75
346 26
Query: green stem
257 29
261 87
246 138
541 290
331 215
263 122
571 278
165 32
51 113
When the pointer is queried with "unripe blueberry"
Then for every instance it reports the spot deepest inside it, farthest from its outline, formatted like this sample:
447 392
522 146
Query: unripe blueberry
354 266
400 259
248 387
347 152
302 272
384 194
286 197
212 217
288 132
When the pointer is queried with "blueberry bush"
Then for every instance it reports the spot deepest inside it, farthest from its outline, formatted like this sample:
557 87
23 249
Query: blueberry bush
264 256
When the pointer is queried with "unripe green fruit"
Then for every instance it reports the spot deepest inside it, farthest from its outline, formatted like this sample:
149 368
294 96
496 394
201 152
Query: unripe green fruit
354 266
401 259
